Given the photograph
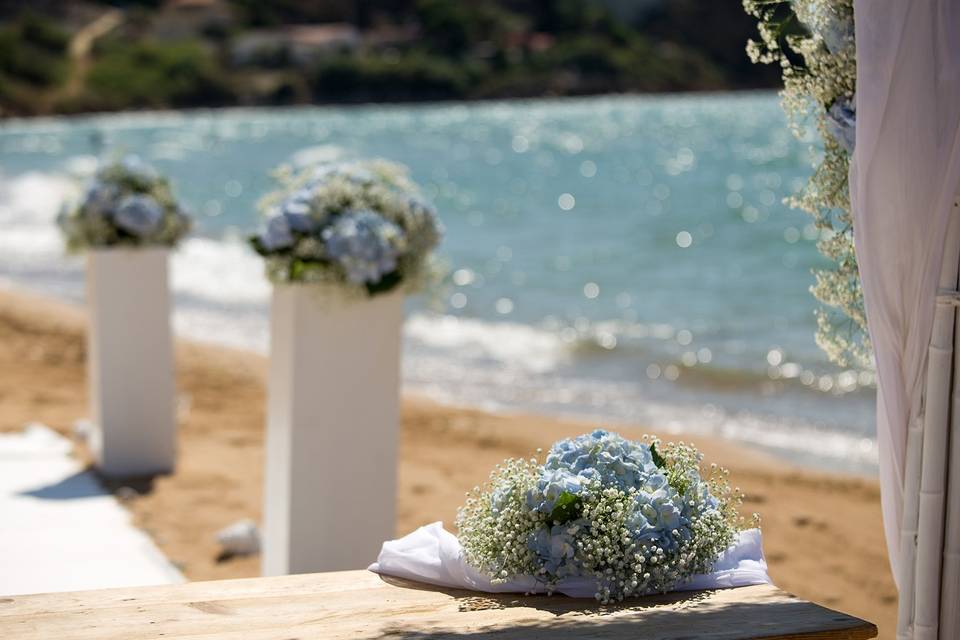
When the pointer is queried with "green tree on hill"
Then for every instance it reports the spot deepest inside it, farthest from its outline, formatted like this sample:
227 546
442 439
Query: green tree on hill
33 50
152 75
402 50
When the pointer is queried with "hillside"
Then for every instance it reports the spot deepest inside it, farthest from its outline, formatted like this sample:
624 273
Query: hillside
66 57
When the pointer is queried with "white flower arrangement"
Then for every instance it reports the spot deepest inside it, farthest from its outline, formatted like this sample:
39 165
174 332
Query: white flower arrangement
637 516
819 77
362 226
127 204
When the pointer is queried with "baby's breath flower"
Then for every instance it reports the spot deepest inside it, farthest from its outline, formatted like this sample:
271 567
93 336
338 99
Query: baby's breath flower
637 516
819 77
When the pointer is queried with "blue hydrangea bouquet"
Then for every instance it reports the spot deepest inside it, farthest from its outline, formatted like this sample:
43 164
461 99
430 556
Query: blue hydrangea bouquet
127 204
362 226
637 517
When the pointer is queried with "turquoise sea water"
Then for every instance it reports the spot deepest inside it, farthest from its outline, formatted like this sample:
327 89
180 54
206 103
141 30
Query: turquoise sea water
623 258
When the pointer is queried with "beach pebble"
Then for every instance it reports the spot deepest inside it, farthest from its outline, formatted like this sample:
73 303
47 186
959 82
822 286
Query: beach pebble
126 494
240 538
82 429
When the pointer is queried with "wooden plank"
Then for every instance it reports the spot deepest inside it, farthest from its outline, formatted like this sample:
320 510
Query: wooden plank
359 605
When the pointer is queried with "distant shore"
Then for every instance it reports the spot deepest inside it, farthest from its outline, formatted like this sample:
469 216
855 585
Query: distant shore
6 119
217 53
823 535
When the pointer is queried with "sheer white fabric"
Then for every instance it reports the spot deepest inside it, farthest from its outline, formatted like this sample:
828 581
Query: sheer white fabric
905 172
433 555
904 180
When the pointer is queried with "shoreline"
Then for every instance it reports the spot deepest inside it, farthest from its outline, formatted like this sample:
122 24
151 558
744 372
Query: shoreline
822 531
325 106
752 450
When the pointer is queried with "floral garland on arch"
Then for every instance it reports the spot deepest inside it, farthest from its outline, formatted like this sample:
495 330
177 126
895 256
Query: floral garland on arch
360 226
819 85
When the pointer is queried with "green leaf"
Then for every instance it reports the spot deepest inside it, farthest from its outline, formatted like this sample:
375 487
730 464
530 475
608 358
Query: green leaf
657 458
387 283
257 246
566 508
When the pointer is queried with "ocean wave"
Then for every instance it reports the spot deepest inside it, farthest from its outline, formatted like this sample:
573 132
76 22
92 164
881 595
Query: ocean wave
29 204
504 343
219 272
623 345
804 441
31 249
792 437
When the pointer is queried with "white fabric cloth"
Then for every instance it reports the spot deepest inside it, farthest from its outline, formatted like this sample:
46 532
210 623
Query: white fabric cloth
905 171
60 530
433 555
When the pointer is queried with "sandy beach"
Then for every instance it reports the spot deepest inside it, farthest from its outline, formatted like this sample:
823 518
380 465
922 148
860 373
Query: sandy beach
822 532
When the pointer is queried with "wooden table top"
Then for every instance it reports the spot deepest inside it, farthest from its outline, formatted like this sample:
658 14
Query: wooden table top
359 605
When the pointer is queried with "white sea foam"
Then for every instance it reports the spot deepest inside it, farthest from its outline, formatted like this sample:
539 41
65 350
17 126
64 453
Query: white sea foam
31 250
507 344
793 438
31 202
317 154
219 272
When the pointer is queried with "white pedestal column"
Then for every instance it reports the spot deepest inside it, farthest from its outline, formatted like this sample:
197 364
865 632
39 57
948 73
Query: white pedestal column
130 362
332 429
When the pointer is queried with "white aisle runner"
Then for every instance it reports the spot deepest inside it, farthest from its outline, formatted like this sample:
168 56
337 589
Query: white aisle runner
60 530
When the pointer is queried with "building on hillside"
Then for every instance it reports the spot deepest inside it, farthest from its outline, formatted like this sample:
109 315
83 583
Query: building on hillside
390 36
299 44
178 19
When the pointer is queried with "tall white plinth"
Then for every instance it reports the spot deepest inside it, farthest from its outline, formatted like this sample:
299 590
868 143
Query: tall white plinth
333 412
130 362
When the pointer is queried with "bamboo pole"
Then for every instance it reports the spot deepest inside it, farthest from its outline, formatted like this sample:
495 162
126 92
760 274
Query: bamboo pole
936 427
908 530
950 578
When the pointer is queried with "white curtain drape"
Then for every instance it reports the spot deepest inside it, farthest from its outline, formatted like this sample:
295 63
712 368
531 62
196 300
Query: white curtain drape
904 180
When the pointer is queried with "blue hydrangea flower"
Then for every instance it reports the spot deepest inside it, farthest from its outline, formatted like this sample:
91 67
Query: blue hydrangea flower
698 492
607 457
499 497
276 235
364 244
704 501
100 199
138 214
296 209
837 34
658 514
552 484
841 123
836 31
556 547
